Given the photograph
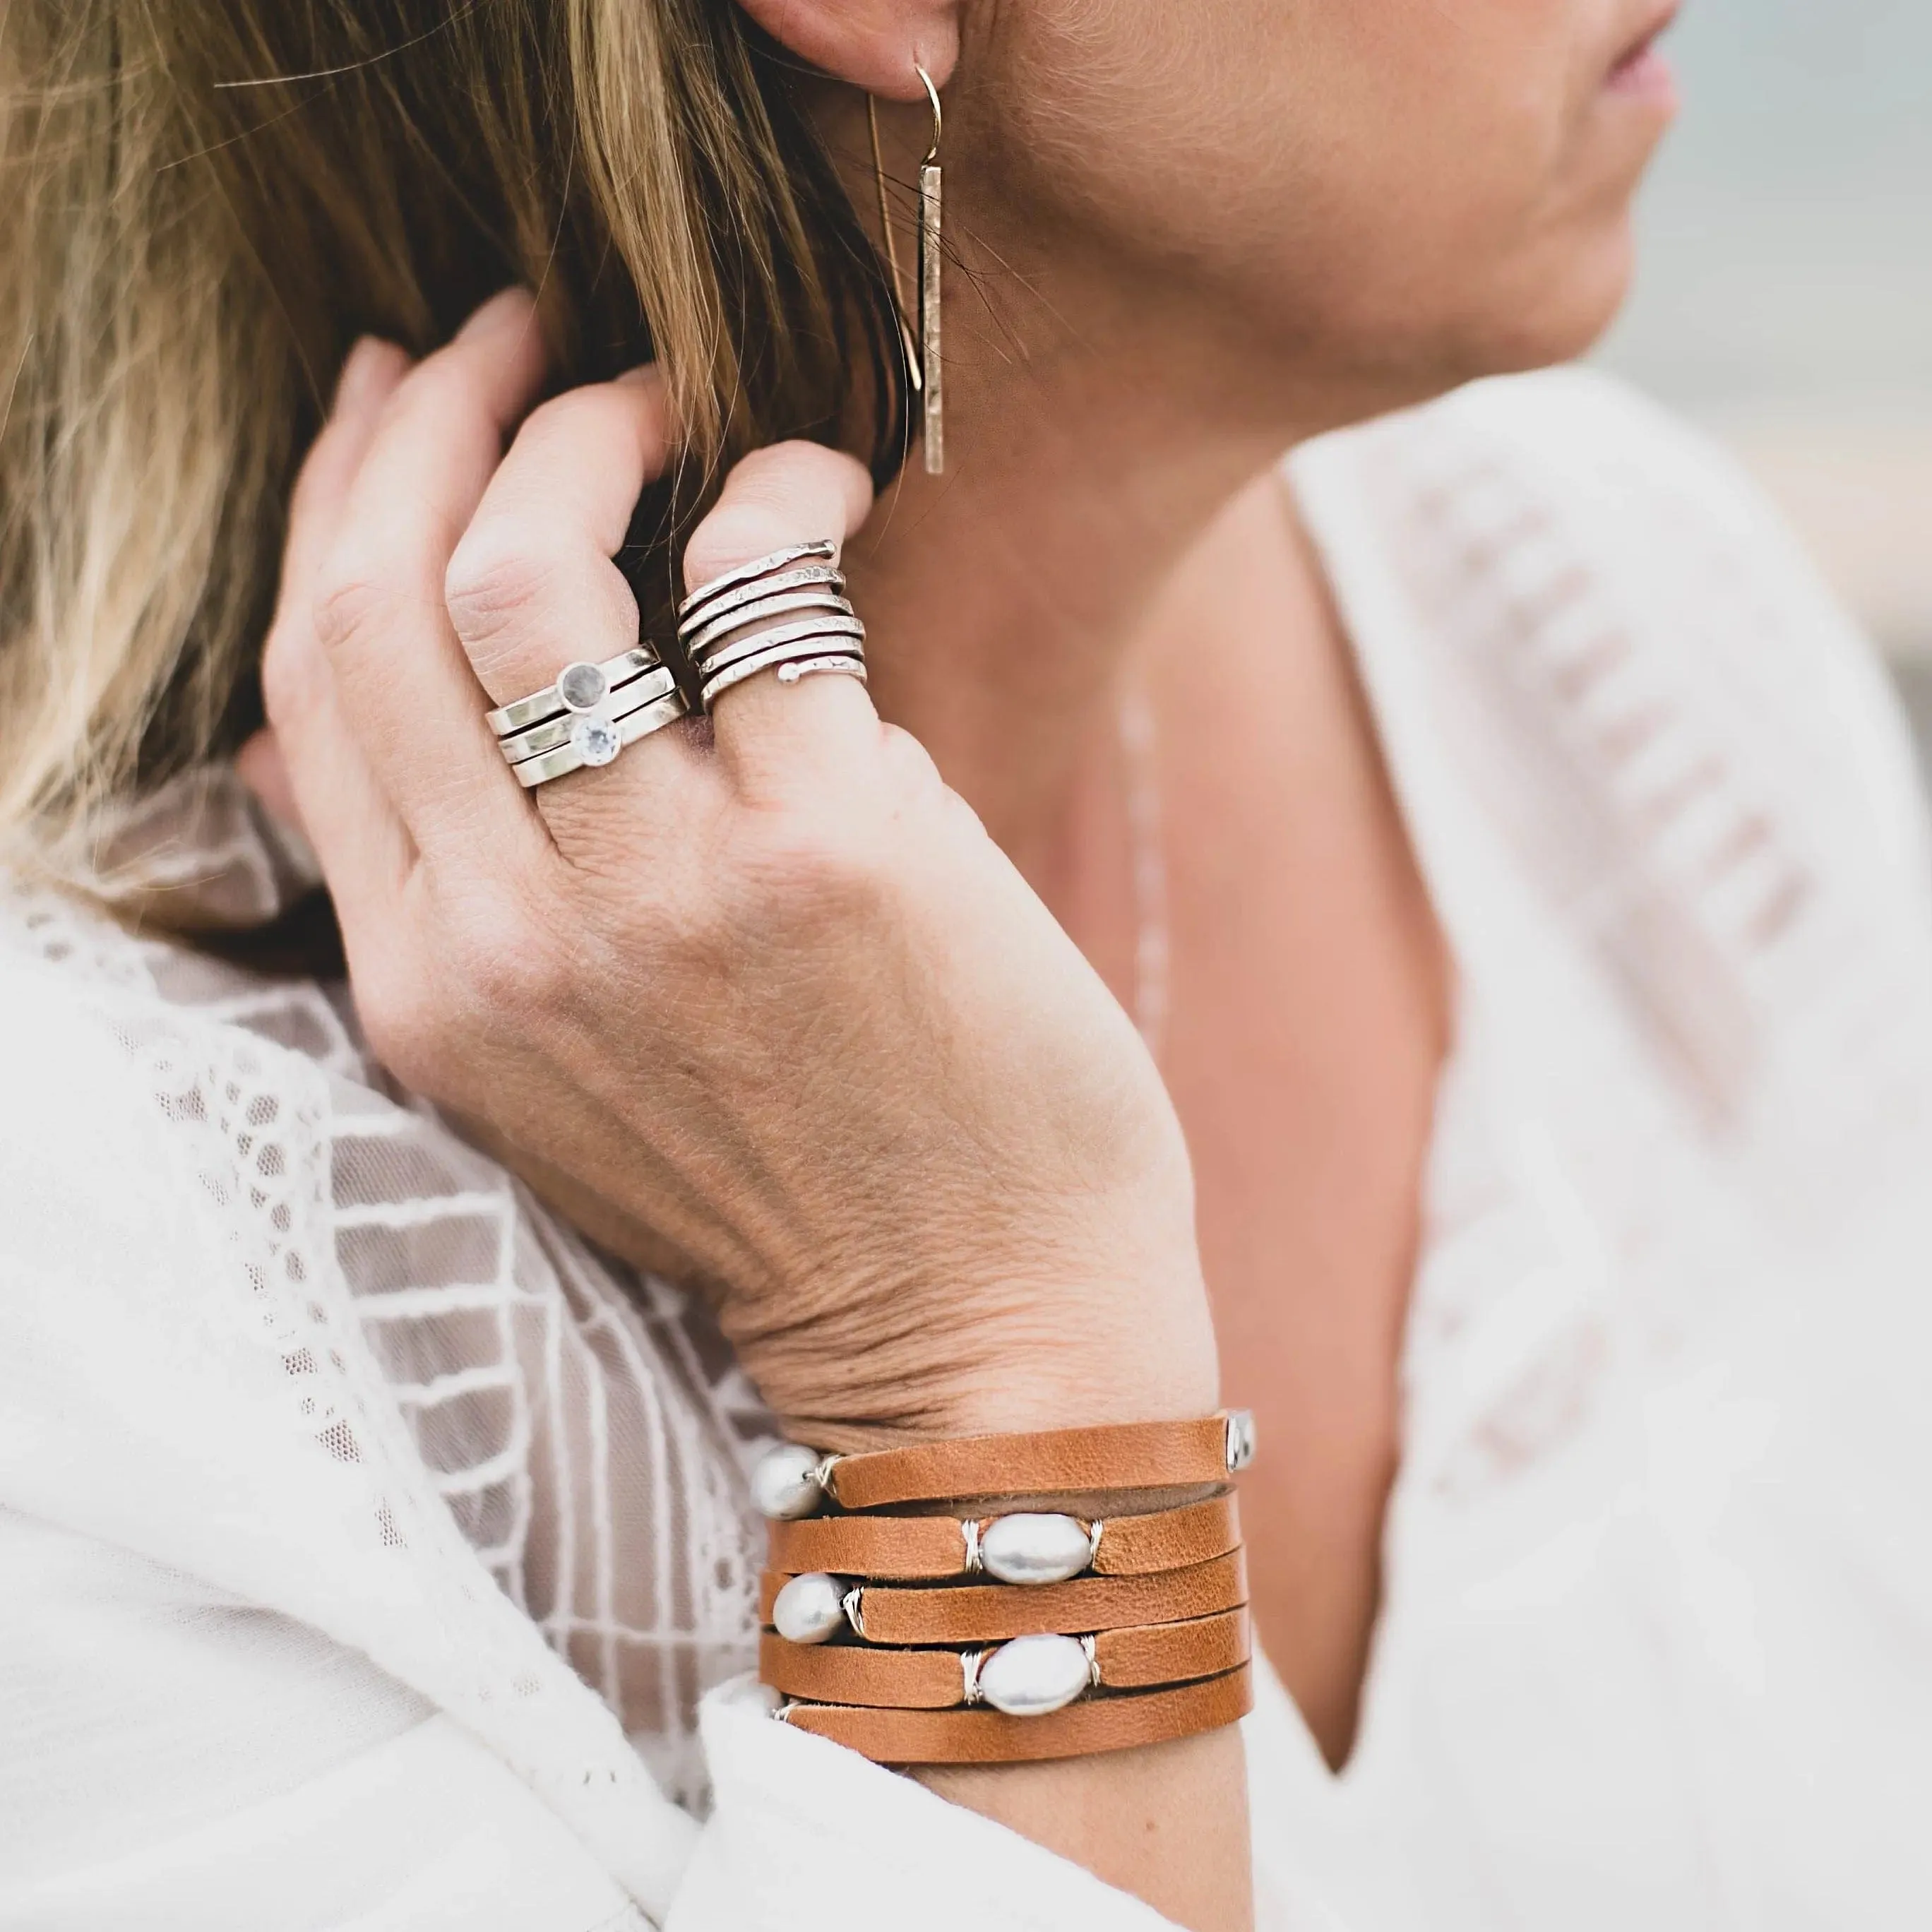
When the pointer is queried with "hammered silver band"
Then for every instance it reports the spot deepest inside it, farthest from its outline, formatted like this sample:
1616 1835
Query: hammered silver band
764 610
785 611
790 666
843 633
815 577
821 551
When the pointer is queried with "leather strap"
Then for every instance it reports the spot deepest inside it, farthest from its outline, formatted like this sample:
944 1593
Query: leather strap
1093 1725
1057 1462
935 1680
918 1549
986 1613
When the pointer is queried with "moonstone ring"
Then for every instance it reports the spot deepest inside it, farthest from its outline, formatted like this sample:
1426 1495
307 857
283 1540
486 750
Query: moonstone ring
595 739
579 688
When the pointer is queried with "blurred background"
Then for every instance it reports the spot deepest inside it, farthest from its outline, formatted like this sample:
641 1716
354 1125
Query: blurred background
1785 299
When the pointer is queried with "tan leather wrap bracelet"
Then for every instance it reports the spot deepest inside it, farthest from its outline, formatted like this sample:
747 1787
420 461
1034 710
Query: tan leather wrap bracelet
995 1625
940 1680
928 1549
1058 1462
989 1613
991 1737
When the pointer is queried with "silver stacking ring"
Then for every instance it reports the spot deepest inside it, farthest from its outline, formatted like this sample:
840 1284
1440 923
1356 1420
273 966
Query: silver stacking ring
782 612
789 670
587 716
579 688
821 551
626 699
596 741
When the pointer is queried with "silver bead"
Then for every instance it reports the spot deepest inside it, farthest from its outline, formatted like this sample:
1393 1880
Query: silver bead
1240 1440
809 1609
1032 1675
787 1482
1034 1548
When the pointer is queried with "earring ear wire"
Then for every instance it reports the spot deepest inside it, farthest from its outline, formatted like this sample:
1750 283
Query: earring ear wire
908 348
922 358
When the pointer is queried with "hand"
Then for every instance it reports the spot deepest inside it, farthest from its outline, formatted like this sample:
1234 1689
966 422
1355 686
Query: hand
771 992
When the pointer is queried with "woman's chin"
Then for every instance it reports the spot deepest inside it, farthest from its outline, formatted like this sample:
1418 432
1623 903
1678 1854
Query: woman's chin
1556 312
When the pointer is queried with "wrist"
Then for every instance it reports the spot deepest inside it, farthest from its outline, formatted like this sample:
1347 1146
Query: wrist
1081 1362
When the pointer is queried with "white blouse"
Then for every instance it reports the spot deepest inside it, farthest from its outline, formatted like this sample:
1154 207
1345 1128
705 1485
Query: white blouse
374 1554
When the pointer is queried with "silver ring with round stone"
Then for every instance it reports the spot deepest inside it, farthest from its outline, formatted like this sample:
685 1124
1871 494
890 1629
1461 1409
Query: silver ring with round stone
624 700
580 687
596 740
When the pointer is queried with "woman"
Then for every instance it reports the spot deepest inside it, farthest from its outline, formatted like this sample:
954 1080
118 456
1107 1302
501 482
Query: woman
1505 848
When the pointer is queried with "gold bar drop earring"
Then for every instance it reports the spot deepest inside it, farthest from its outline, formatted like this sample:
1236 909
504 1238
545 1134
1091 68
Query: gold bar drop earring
921 359
931 208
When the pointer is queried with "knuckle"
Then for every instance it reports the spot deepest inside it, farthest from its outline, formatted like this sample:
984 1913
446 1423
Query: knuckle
496 575
505 963
906 767
406 1026
733 534
774 497
353 596
816 863
564 416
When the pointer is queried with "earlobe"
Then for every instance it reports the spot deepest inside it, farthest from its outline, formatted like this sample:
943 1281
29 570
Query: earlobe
878 45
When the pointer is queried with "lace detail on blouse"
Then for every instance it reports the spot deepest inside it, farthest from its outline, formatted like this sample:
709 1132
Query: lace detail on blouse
584 1425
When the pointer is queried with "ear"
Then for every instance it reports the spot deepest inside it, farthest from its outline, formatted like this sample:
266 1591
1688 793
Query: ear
873 44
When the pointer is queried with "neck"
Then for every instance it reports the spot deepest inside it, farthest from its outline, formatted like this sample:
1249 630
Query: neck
1096 424
1006 598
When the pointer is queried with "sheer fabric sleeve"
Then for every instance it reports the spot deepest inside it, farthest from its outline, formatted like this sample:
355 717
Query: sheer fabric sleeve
250 1674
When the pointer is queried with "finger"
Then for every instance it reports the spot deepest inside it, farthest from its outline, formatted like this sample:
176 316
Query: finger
320 776
260 766
772 737
532 585
403 683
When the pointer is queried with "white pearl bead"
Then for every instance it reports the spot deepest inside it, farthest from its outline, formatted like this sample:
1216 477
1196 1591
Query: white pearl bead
784 1482
1032 1675
809 1608
1032 1549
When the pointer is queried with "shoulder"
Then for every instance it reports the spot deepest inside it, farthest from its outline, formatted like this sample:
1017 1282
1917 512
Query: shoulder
1562 536
1622 705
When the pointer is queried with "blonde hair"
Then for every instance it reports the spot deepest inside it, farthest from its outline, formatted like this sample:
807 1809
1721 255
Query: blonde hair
206 201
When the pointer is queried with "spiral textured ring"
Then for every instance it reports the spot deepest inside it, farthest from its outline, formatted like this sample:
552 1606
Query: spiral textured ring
785 612
819 551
